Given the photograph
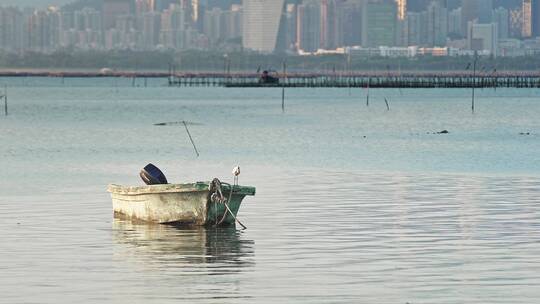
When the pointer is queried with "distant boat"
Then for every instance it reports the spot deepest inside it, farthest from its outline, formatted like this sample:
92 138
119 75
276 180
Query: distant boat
269 78
198 204
106 71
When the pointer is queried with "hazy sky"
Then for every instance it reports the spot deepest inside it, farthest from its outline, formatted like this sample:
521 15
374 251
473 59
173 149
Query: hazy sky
33 3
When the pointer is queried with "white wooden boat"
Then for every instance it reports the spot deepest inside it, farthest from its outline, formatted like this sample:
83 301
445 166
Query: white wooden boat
200 204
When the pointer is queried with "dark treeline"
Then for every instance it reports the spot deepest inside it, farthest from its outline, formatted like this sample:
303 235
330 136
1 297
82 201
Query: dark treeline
250 62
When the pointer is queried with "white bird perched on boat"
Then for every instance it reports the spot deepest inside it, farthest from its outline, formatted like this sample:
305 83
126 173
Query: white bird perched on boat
236 172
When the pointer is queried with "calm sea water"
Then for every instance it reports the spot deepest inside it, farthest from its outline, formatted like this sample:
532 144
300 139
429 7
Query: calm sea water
354 204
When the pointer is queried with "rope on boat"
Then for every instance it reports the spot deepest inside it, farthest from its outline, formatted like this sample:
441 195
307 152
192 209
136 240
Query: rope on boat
225 213
217 197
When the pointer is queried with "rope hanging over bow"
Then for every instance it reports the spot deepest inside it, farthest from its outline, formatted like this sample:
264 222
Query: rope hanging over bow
217 197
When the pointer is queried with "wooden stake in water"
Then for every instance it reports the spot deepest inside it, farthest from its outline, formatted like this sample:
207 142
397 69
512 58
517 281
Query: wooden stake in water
387 106
367 97
170 74
495 82
474 80
5 100
283 100
190 138
349 71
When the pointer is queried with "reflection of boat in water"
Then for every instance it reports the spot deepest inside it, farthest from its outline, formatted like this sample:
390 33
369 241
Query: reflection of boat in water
220 250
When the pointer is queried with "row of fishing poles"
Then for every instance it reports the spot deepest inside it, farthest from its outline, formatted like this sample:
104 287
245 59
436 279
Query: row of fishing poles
473 64
283 90
4 96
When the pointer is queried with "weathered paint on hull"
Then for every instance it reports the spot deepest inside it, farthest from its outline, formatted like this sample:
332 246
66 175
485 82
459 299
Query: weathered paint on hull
188 204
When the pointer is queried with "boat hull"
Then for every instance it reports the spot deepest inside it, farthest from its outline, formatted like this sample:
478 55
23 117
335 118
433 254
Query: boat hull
182 204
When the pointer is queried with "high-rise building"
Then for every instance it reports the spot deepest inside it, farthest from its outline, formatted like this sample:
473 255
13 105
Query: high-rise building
237 14
223 4
161 5
454 23
291 15
416 28
350 23
478 11
501 18
233 22
44 30
417 5
309 26
151 27
197 14
526 29
516 23
329 24
437 24
143 6
87 19
11 29
482 37
535 18
214 25
379 23
66 20
401 24
402 32
401 9
81 28
264 25
112 9
176 32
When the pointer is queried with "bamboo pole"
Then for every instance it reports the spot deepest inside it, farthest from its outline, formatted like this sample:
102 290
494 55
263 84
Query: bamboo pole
367 96
5 100
474 80
191 138
283 99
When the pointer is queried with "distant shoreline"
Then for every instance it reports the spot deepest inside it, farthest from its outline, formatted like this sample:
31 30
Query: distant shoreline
246 61
82 73
157 73
332 79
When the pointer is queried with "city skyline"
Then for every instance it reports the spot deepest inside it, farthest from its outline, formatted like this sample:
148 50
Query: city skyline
40 4
487 26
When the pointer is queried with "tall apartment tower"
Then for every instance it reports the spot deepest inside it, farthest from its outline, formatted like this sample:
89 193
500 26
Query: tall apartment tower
401 9
310 27
379 23
477 11
417 5
535 18
112 9
263 25
501 17
437 24
526 27
161 5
